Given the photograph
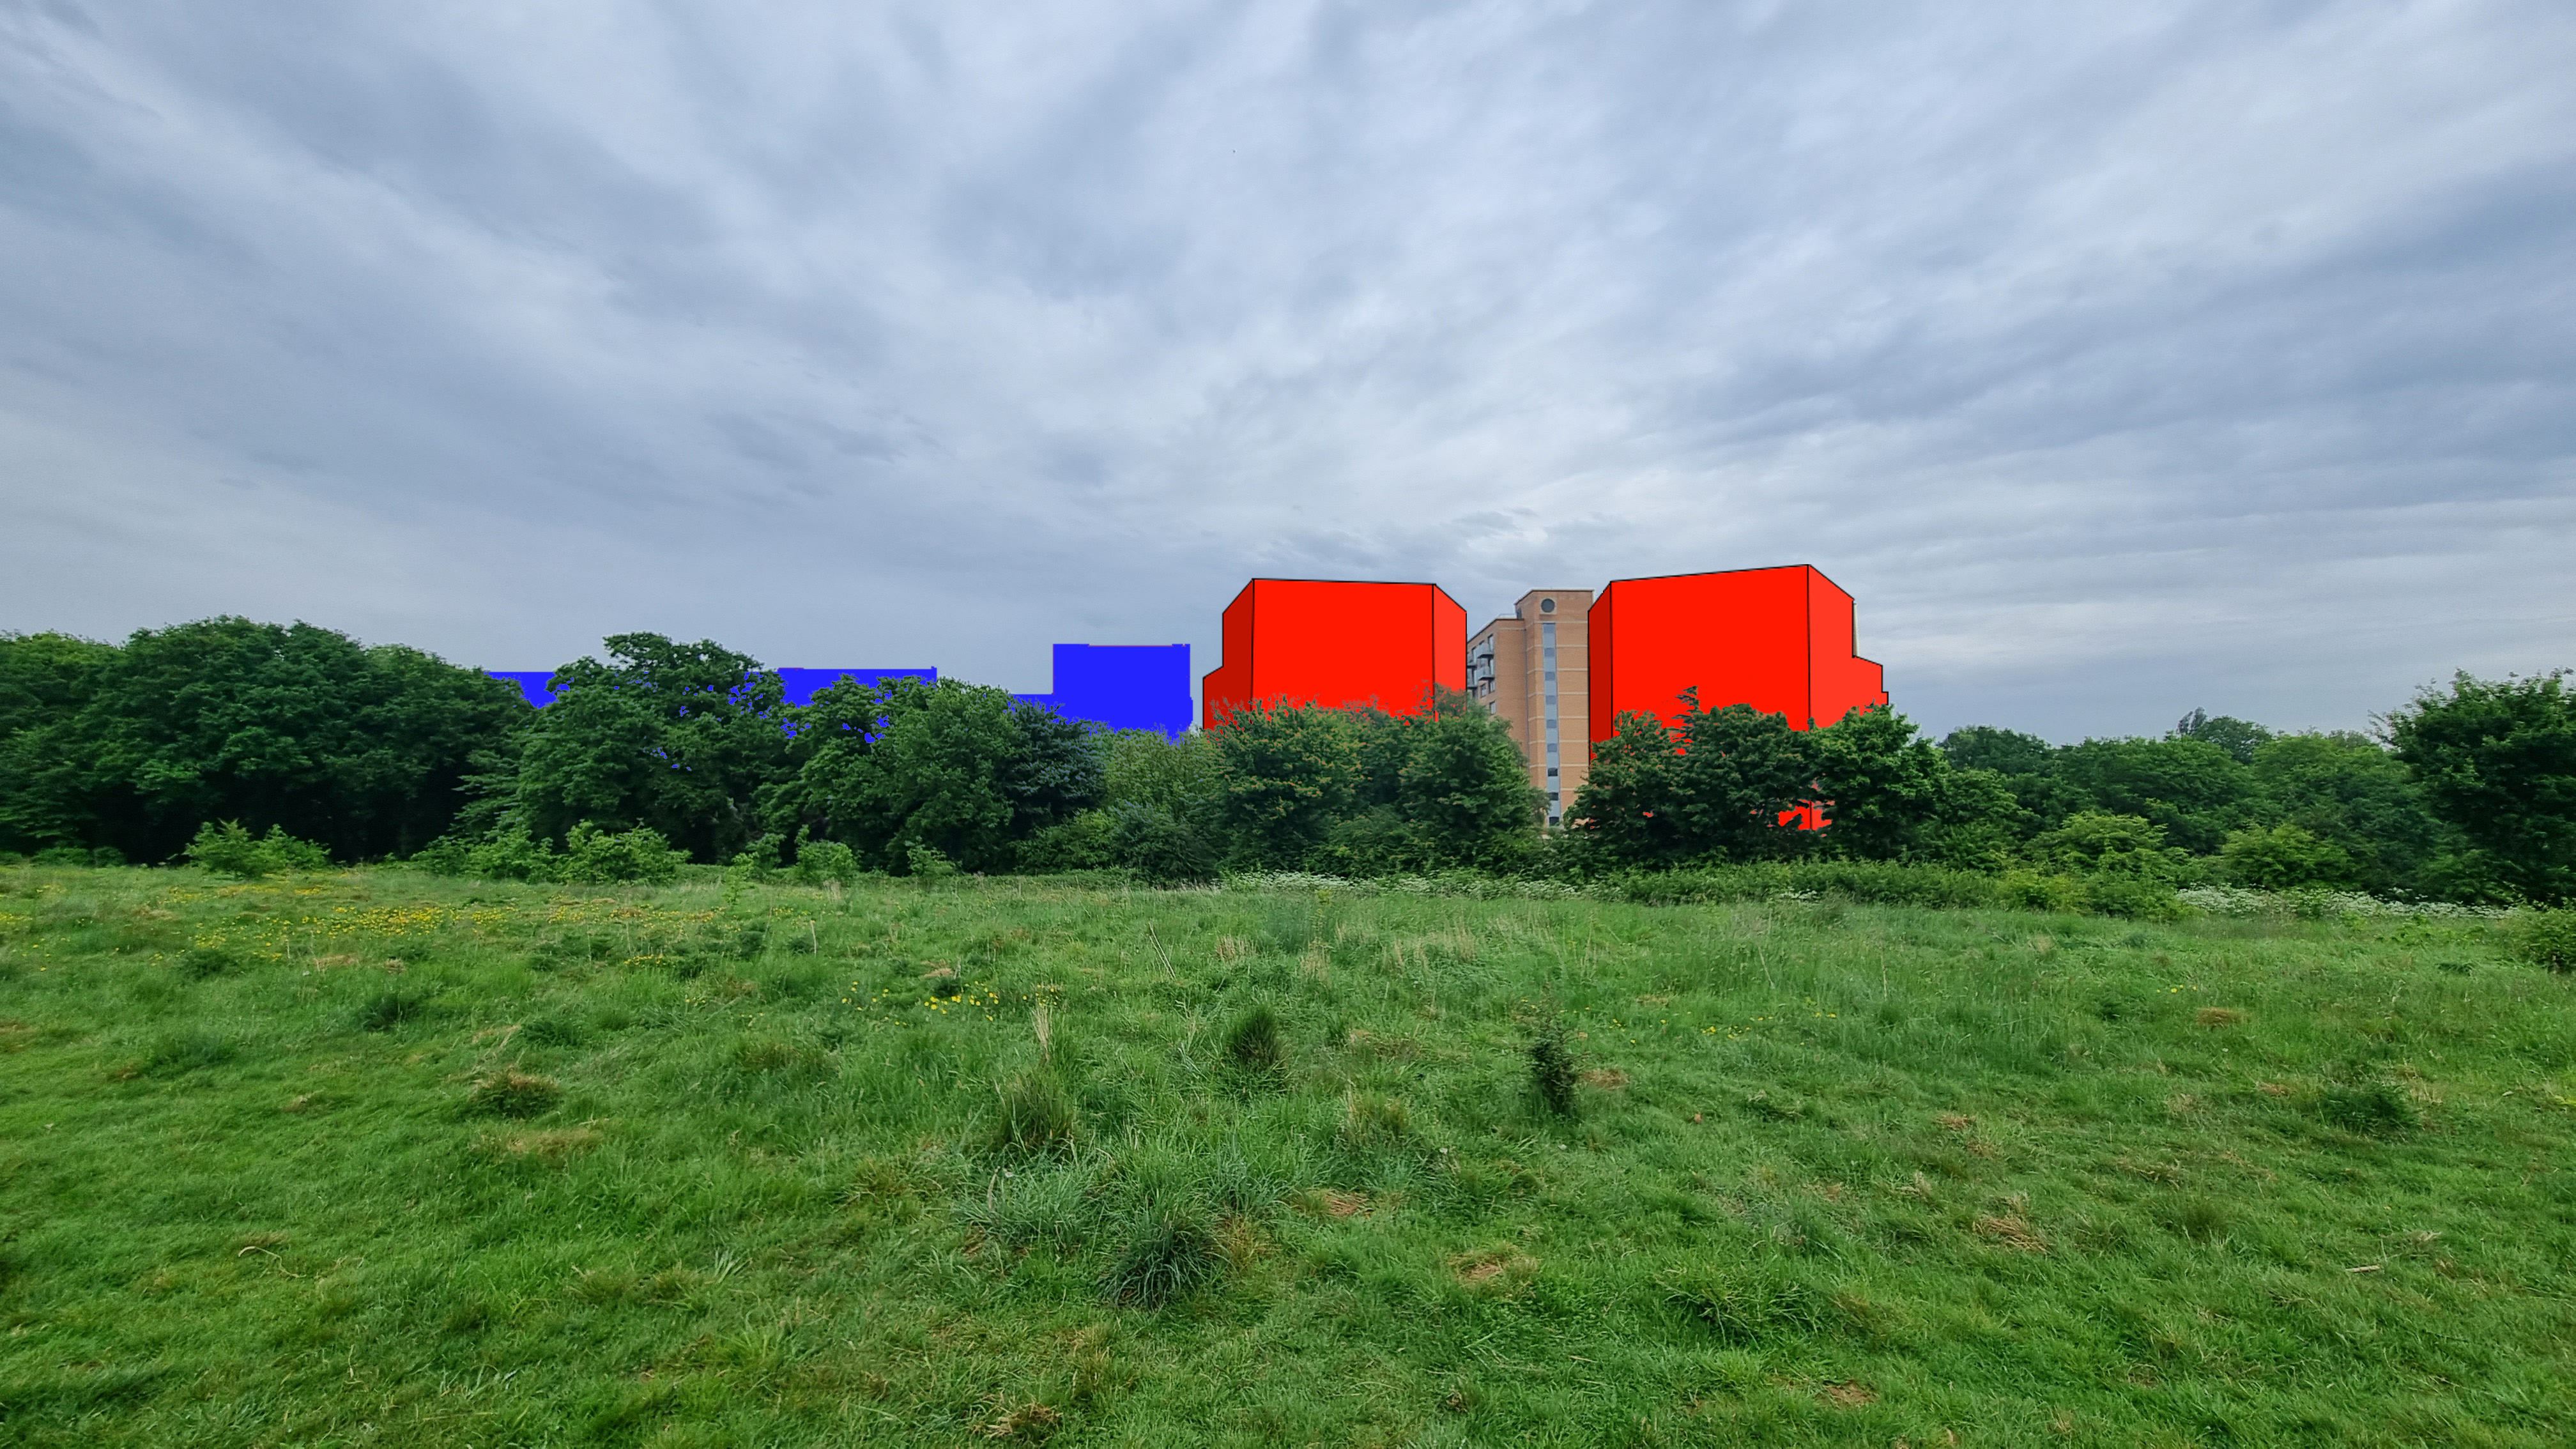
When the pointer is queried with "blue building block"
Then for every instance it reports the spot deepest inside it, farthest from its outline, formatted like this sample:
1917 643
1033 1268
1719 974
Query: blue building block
1123 686
801 683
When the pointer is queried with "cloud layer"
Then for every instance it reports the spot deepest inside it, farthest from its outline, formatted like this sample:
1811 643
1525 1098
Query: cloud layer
2119 363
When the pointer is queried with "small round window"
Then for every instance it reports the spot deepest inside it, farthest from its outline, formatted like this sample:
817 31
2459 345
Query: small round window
1547 606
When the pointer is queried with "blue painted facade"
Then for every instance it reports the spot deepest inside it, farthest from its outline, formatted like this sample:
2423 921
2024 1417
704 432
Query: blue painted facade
801 683
1123 686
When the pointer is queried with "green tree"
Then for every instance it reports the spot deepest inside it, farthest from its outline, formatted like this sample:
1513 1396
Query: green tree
2194 790
1287 774
2025 765
959 769
2097 842
362 749
678 737
2239 738
2351 792
1885 787
1717 788
2497 762
2287 857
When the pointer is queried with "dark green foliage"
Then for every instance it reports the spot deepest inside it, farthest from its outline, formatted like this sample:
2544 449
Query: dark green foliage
1170 1253
1288 774
1552 1072
364 749
1715 789
2195 791
2497 762
1255 1045
958 769
1366 792
1034 1115
677 737
514 1093
2349 791
229 849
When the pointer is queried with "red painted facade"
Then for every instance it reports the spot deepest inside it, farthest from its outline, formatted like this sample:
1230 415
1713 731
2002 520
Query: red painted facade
1777 639
1338 644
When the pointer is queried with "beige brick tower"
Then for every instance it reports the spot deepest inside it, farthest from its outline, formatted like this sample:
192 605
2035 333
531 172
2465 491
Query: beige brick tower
1534 669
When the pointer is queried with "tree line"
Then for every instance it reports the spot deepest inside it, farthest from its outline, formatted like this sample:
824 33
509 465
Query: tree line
663 751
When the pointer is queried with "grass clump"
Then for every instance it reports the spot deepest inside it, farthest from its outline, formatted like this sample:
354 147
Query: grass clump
514 1093
1034 1115
389 1009
1170 1253
1552 1071
1254 1045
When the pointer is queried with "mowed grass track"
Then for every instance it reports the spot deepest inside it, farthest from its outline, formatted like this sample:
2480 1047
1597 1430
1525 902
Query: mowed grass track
381 1158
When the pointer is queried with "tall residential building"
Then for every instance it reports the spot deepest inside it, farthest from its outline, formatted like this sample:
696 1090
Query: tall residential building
1534 669
1778 639
1336 643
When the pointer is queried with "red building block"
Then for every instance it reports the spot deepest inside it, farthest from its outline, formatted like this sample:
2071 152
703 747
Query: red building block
1778 639
1338 644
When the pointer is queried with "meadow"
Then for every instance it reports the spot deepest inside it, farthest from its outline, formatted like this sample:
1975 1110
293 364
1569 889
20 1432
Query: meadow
373 1156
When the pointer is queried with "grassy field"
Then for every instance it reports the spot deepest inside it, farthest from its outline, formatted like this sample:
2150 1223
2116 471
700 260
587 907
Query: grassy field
381 1158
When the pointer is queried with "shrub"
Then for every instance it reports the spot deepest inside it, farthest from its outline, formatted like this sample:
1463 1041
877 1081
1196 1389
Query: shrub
2286 857
514 1093
1254 1044
818 861
513 855
1035 1115
230 849
2546 938
1552 1072
927 862
641 855
1170 1253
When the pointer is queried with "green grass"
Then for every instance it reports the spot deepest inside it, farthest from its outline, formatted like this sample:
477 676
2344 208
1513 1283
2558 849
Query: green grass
381 1158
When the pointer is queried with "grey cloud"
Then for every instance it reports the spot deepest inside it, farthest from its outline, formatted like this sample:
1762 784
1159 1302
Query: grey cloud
2119 362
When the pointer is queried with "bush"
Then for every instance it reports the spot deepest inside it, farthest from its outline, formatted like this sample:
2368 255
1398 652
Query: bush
1170 1253
818 861
2286 857
2546 938
927 862
513 855
640 856
230 849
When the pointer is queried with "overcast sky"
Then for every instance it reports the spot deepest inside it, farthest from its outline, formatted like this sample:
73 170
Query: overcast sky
2120 359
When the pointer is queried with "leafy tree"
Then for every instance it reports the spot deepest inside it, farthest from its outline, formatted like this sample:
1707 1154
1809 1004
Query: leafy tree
1885 787
2239 738
362 749
2497 762
2349 791
677 737
1717 788
1287 773
2194 790
2025 765
960 770
2097 842
2287 857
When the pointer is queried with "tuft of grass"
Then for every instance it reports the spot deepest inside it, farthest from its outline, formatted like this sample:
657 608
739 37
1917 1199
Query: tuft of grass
2369 1105
1552 1071
1255 1045
1170 1253
1370 1122
389 1009
1744 1305
201 962
1034 1115
193 1050
514 1093
2201 1219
